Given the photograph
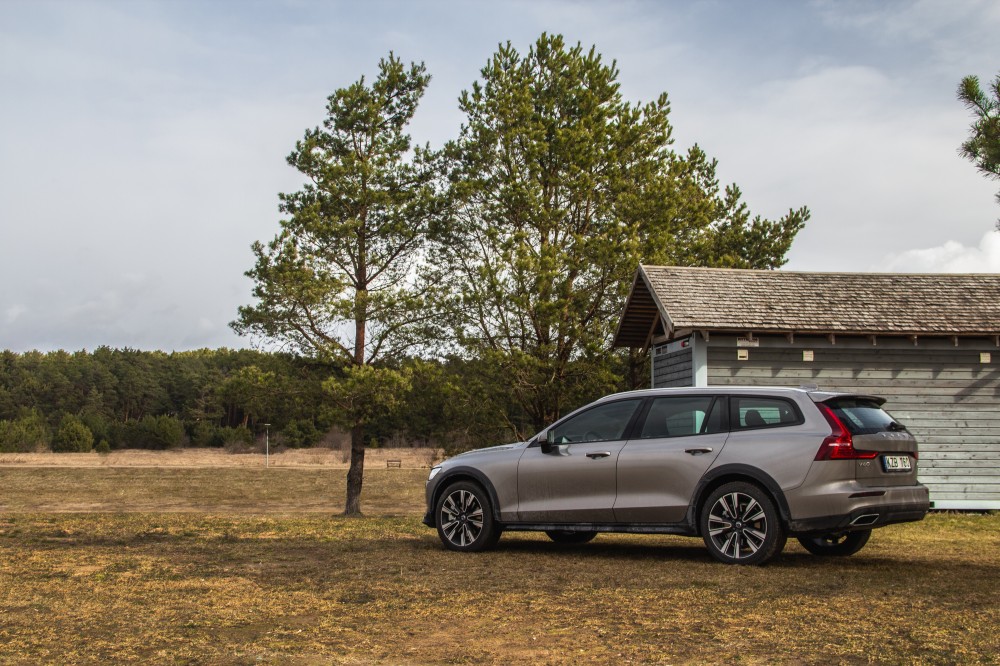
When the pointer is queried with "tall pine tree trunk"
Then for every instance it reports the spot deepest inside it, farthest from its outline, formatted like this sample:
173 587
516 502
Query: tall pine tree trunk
356 473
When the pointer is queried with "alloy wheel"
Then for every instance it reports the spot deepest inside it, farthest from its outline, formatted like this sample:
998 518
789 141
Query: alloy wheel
737 525
461 518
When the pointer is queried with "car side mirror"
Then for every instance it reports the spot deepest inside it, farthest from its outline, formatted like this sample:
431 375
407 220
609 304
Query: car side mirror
549 443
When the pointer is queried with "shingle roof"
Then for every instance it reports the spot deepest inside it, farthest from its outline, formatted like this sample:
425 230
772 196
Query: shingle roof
721 299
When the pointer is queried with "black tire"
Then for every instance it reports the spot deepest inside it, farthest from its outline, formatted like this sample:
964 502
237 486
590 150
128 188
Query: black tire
464 517
569 537
740 525
839 544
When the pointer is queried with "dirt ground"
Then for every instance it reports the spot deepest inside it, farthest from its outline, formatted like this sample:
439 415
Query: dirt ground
415 458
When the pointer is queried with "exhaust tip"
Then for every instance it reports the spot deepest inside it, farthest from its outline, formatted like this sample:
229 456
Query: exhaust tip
866 519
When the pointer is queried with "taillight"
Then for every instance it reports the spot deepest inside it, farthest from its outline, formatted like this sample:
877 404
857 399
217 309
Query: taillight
839 445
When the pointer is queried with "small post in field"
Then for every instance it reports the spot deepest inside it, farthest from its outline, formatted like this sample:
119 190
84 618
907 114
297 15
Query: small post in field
267 445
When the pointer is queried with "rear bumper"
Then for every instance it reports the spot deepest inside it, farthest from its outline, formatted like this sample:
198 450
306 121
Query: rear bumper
837 505
861 518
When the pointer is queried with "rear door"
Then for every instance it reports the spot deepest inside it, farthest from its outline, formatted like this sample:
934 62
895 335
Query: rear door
659 467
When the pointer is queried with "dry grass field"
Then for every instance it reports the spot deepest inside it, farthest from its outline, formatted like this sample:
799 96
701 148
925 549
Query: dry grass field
315 457
248 566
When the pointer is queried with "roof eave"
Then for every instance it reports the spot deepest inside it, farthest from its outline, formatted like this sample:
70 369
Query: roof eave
665 321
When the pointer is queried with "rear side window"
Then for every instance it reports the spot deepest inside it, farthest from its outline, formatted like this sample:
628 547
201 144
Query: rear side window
763 412
682 416
862 416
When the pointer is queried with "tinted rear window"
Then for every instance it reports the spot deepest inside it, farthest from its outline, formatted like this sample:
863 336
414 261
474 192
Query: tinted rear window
861 416
763 412
682 416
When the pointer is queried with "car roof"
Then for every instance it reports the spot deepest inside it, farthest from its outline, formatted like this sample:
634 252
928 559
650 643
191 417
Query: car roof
814 393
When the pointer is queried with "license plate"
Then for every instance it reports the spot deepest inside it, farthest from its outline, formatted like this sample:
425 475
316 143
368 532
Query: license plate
896 463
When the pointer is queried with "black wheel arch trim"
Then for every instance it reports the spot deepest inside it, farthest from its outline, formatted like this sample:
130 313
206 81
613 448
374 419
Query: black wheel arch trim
736 469
457 474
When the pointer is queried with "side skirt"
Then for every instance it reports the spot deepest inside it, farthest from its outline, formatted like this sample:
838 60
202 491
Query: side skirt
645 528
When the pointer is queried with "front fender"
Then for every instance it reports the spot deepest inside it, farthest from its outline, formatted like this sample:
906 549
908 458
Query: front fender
448 477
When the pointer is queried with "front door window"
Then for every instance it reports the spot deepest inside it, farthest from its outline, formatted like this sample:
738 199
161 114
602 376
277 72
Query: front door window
604 423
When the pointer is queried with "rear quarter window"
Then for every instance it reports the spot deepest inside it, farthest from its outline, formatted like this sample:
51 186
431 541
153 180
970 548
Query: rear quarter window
749 412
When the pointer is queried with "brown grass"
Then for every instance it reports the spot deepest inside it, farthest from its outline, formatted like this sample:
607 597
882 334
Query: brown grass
218 490
227 586
415 458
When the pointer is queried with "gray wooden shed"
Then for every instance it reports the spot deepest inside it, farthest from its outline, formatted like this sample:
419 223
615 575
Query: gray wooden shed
929 343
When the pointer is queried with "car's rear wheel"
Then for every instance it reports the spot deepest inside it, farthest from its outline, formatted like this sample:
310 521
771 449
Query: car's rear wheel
569 537
740 525
839 544
464 518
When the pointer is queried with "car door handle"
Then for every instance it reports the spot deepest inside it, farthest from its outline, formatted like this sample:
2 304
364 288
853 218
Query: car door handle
594 455
697 452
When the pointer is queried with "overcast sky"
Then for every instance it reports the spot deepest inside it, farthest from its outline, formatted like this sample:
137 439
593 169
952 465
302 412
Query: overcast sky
143 144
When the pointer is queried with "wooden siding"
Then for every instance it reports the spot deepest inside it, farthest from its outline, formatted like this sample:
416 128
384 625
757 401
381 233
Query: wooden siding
672 368
948 399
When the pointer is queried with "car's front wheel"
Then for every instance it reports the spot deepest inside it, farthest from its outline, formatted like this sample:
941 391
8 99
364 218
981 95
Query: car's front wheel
465 518
740 525
839 544
569 537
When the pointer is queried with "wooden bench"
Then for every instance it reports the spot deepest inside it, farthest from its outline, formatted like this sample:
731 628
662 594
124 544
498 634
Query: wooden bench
394 463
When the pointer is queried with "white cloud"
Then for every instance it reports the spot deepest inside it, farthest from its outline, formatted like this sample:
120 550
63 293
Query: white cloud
953 34
949 257
14 311
876 170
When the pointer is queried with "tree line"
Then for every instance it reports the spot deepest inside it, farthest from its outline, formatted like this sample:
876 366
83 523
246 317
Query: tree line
125 398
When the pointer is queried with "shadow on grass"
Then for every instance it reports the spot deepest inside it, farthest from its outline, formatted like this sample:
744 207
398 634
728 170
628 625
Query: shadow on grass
904 567
607 550
308 543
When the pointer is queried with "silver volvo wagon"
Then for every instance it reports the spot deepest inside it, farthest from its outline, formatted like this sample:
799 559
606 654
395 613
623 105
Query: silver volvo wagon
743 468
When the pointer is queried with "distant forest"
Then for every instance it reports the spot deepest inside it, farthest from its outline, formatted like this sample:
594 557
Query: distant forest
125 398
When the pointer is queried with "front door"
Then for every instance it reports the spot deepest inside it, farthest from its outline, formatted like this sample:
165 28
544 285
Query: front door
576 481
